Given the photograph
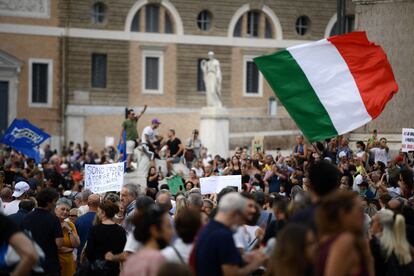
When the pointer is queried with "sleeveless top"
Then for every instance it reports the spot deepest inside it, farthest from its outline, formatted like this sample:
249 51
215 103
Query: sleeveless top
299 149
324 250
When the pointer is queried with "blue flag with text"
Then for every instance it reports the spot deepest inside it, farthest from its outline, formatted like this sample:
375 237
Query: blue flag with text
24 137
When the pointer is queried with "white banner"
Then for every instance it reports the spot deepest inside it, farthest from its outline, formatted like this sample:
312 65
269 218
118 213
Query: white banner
214 184
407 141
104 178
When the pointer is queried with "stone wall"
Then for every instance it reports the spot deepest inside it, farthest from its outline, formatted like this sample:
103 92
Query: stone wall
78 70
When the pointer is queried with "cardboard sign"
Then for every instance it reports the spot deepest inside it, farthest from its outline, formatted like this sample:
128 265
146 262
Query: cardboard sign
104 178
407 141
257 145
214 184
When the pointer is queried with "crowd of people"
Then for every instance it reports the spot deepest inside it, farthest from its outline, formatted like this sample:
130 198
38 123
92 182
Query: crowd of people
322 209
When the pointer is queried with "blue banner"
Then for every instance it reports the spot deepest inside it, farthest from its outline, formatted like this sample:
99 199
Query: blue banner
24 137
122 147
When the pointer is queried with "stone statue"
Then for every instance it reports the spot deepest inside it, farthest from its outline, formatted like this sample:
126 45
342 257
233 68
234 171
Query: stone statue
212 80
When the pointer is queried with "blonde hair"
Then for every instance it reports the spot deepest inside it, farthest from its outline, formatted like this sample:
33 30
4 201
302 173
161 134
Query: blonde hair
180 204
393 237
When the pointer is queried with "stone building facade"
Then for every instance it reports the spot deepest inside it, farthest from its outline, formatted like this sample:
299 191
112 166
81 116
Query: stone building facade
107 55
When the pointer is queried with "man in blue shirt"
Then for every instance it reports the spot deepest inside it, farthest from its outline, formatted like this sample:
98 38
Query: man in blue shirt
84 223
215 251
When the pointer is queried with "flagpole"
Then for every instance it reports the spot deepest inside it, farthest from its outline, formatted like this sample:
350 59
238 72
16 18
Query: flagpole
341 15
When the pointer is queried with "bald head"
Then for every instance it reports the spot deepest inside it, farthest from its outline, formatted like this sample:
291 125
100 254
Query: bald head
396 205
93 202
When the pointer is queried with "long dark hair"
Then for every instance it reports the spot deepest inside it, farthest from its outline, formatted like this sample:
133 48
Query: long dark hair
291 242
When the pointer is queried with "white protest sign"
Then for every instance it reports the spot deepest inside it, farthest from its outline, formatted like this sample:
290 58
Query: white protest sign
407 141
214 184
104 178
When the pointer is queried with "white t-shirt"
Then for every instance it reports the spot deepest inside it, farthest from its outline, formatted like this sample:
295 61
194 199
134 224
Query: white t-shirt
245 237
132 245
395 190
12 207
199 172
380 155
150 133
183 248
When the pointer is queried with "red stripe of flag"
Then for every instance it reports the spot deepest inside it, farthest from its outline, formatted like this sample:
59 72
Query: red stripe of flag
370 68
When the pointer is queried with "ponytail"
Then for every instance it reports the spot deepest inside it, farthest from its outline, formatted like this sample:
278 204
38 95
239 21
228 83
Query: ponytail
401 247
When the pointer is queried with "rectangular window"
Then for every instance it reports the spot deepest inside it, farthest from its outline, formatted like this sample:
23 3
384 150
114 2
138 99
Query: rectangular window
153 72
152 18
40 82
252 79
200 78
253 24
99 70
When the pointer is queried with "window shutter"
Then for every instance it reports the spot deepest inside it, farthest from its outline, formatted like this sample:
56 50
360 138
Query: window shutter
99 70
152 18
151 73
252 78
39 82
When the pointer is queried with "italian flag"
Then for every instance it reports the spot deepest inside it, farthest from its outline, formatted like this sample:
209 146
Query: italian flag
331 86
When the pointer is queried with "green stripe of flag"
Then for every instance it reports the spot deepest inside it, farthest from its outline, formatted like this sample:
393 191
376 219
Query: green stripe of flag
293 89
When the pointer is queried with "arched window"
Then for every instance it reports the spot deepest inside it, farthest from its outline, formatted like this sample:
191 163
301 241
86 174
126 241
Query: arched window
98 13
302 25
152 18
204 20
256 24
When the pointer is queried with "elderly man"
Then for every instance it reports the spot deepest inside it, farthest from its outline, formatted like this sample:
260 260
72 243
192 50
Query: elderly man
215 251
129 194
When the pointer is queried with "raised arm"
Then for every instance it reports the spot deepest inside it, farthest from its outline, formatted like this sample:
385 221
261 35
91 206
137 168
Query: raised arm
25 249
142 112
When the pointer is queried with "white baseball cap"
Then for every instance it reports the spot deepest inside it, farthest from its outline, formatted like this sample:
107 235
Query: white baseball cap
20 188
342 154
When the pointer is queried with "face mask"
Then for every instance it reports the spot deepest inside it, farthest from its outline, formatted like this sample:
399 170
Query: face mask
162 243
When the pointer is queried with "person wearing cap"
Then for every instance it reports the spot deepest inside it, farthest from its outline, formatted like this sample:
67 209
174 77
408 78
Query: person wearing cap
365 191
20 192
150 139
131 133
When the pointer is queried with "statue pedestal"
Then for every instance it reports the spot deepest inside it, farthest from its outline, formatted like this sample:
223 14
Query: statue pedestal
214 130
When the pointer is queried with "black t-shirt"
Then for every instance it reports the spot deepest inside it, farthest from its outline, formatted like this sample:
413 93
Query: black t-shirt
104 238
45 228
7 228
173 146
214 248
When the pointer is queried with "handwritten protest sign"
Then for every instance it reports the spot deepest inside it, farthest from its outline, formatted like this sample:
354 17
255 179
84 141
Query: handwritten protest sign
175 184
407 143
104 178
214 184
